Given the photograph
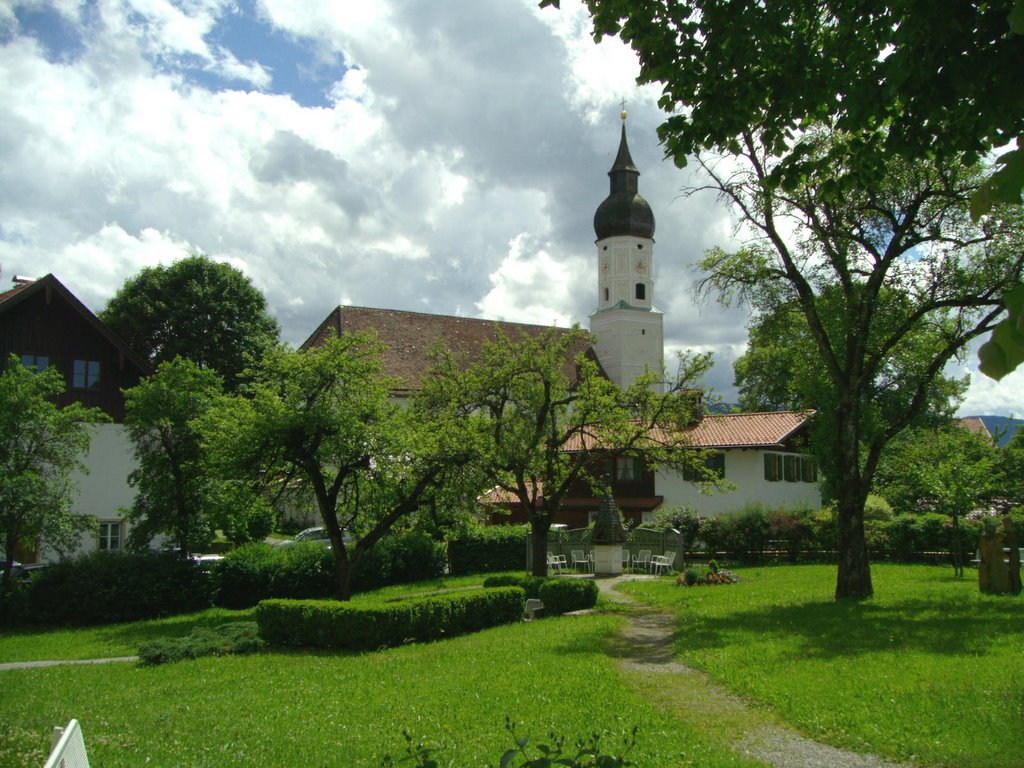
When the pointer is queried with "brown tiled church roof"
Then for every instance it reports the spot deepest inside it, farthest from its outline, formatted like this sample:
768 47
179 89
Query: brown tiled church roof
409 337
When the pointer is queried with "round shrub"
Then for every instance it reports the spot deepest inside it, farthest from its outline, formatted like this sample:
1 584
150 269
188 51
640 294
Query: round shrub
104 587
563 595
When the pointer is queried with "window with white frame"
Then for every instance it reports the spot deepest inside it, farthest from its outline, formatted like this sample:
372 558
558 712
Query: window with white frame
111 535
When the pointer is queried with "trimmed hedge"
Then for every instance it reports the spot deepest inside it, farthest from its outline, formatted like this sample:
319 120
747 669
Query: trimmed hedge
531 584
488 549
368 626
105 588
257 571
564 595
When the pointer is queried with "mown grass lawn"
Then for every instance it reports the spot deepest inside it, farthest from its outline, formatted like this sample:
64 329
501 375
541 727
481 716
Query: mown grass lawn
318 709
928 671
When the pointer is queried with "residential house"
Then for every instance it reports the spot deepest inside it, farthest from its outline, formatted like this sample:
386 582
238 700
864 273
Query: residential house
45 326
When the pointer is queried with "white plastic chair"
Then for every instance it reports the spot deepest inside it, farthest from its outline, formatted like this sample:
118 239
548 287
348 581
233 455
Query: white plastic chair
625 559
556 563
579 558
663 563
642 560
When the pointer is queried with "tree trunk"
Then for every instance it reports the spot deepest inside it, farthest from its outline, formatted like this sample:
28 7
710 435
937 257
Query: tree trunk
854 575
343 583
539 541
958 548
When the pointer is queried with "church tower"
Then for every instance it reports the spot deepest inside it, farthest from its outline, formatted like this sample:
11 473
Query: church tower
628 327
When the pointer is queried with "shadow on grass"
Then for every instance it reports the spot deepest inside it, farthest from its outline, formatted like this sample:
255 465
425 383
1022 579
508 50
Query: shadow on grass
136 633
829 629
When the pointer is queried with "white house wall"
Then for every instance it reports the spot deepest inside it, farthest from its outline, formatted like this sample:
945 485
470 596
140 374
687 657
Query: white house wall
744 468
103 490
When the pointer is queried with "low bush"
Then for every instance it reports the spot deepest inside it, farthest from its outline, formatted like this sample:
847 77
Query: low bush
368 626
105 587
531 584
564 595
486 549
232 638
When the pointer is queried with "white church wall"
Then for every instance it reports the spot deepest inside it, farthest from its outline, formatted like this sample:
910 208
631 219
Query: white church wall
745 469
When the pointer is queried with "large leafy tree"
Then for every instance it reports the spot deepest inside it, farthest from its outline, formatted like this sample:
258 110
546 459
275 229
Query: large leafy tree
782 367
322 423
892 282
546 420
196 308
948 470
903 79
41 445
175 493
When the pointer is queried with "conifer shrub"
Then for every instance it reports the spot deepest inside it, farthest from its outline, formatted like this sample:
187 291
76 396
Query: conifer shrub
564 595
365 626
235 637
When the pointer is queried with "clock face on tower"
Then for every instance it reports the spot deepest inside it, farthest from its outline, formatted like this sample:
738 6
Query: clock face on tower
604 266
640 264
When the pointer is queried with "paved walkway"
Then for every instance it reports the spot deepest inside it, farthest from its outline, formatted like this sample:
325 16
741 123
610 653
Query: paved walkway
645 648
59 662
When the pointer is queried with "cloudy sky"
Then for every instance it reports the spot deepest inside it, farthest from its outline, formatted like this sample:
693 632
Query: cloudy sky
436 157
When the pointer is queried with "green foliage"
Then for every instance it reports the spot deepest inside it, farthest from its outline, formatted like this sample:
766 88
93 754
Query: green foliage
529 583
198 309
481 549
1004 351
366 626
948 470
321 424
683 518
399 559
40 446
104 588
586 753
258 571
175 491
564 595
232 638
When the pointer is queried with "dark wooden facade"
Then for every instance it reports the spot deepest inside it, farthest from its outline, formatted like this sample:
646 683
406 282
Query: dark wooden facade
44 320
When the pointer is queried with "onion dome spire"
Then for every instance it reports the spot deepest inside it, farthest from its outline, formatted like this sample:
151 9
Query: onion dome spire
624 211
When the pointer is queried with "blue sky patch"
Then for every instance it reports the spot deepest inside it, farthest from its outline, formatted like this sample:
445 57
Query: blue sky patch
61 39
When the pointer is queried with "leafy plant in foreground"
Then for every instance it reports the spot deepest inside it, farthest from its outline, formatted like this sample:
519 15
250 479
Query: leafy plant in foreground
584 753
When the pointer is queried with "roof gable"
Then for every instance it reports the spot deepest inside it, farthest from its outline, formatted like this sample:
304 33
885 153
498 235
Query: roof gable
50 284
748 430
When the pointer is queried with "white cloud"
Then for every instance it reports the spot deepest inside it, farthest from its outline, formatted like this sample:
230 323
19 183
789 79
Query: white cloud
455 168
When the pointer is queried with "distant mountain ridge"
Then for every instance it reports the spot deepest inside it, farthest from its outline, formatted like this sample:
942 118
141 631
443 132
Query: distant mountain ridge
1002 428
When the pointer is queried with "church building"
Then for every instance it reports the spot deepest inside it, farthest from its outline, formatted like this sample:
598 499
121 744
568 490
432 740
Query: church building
759 453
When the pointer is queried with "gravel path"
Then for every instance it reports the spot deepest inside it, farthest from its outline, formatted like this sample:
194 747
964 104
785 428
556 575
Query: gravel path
645 647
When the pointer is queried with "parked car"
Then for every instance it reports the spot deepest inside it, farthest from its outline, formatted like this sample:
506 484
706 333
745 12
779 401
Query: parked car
317 533
19 573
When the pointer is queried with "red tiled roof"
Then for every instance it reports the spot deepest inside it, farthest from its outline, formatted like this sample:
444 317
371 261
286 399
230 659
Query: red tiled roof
747 430
409 337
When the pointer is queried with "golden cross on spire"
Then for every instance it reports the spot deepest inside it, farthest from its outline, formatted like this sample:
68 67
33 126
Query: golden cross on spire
623 113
